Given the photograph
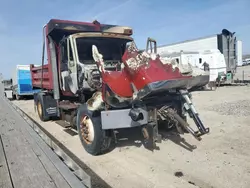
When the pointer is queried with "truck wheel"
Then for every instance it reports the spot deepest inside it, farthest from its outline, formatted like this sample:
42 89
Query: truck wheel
40 109
93 138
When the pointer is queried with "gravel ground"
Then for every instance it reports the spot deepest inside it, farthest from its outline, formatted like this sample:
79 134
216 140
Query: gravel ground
243 73
237 108
221 159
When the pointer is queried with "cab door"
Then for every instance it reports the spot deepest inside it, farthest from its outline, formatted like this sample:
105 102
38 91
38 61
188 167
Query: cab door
68 68
72 66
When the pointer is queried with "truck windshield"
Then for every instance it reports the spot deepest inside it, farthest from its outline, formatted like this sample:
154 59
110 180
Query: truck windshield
111 48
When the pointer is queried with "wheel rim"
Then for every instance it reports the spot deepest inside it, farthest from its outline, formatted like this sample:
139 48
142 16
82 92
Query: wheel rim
39 109
87 129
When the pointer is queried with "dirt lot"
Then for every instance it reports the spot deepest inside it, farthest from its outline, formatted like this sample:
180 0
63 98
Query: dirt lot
220 160
243 73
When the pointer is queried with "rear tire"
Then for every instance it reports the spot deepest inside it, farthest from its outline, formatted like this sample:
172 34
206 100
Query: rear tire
41 109
93 138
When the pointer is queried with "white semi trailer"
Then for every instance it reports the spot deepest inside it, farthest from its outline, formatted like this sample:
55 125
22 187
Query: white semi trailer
214 58
225 42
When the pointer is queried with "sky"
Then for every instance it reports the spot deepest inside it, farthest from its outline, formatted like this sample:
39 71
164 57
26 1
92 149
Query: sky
166 21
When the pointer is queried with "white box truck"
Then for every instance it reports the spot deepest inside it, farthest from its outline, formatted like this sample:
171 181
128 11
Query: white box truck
22 83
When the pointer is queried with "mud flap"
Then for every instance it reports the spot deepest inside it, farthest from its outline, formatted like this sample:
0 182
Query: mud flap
49 104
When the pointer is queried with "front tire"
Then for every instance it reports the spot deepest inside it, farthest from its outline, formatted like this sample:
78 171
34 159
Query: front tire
94 140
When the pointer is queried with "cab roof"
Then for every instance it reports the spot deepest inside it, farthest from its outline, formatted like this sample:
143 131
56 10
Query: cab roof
57 29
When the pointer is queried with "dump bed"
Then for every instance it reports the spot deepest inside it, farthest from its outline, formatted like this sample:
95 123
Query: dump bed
39 81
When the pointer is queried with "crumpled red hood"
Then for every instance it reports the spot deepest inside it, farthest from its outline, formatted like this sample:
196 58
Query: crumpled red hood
144 68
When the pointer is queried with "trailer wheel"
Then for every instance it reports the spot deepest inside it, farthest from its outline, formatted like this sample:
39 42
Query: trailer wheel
94 140
40 109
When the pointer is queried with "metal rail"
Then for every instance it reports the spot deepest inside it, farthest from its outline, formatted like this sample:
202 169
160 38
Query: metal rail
56 146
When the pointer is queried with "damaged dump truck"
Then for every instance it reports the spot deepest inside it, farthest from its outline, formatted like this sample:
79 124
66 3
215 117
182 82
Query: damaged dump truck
97 80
